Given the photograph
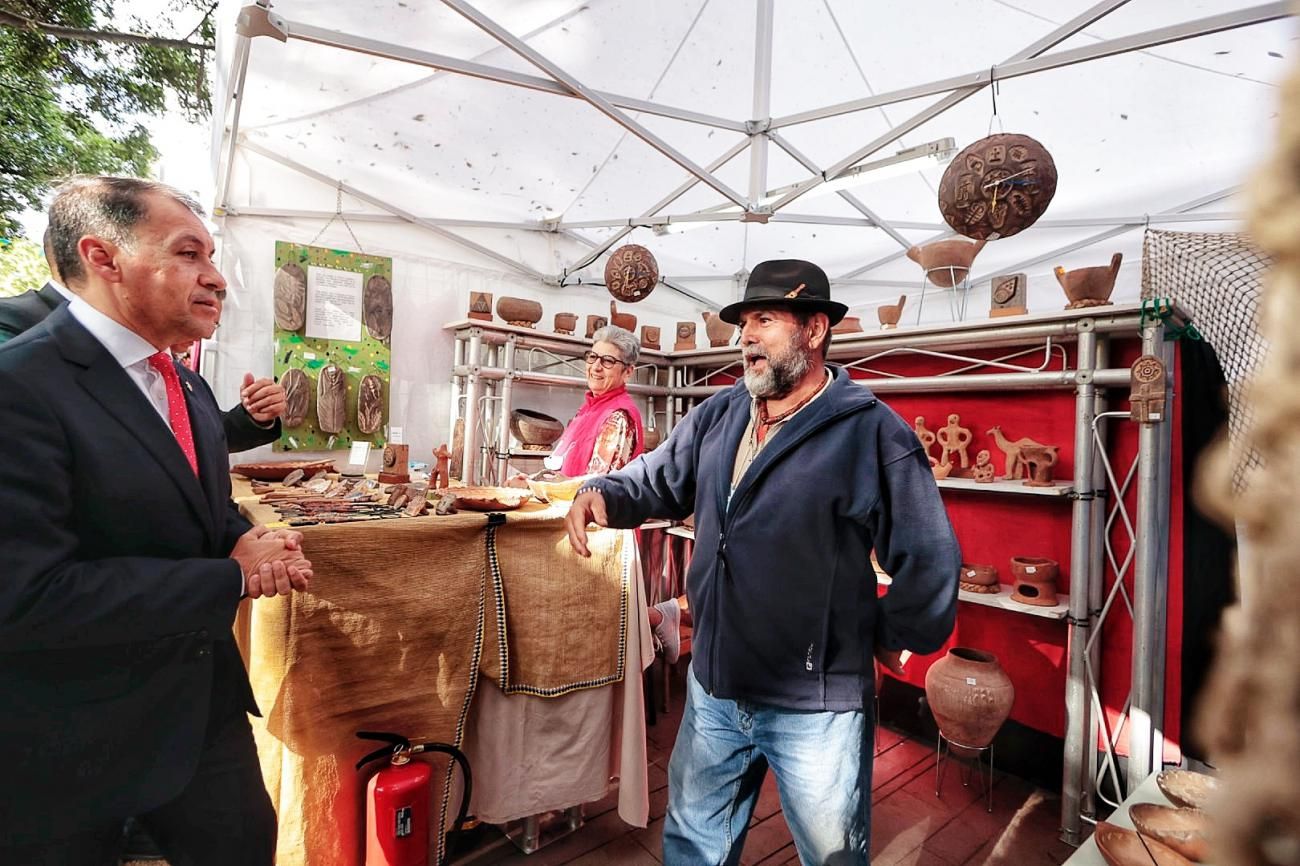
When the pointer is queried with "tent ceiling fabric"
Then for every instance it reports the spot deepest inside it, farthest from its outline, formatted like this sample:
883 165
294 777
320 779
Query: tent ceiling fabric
1133 134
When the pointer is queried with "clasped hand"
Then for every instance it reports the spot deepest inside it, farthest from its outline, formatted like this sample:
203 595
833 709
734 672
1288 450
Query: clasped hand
272 562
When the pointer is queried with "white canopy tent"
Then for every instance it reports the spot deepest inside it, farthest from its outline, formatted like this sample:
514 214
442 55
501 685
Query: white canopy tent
509 145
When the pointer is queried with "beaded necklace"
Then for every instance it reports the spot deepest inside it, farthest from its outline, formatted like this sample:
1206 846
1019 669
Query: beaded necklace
766 422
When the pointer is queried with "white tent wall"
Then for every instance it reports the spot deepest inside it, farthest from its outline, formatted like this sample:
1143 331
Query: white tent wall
1172 127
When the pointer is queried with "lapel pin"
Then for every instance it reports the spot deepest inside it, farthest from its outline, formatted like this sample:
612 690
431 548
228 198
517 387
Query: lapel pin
189 387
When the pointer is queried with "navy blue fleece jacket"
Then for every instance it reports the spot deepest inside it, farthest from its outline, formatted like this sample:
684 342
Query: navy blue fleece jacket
780 584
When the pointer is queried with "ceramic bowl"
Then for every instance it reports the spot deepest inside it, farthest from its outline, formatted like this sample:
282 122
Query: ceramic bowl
278 471
487 498
562 490
1182 829
1121 847
1186 788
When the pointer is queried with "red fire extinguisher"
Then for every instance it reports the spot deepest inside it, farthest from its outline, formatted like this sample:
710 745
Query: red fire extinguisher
397 800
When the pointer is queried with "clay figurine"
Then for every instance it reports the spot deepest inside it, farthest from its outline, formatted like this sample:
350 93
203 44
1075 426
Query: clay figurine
441 478
954 439
924 434
1027 458
983 470
889 314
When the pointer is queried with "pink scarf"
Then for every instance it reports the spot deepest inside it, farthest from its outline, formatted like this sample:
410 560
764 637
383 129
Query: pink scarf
579 439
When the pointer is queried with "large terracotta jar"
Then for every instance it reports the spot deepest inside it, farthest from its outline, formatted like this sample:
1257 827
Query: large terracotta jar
970 696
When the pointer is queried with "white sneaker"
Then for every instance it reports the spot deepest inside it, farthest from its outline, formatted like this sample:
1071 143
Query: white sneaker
668 634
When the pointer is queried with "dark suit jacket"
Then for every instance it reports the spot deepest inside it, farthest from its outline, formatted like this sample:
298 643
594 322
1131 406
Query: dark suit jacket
24 311
21 312
116 596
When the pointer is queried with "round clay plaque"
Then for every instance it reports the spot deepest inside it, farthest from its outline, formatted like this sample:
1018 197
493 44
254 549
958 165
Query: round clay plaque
631 273
997 187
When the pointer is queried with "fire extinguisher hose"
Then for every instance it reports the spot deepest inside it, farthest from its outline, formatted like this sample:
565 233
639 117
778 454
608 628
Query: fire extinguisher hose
397 744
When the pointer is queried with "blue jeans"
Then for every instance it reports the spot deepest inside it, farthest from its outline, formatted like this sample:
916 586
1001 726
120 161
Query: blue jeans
822 762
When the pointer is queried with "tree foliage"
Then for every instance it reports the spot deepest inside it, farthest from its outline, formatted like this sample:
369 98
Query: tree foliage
72 103
22 266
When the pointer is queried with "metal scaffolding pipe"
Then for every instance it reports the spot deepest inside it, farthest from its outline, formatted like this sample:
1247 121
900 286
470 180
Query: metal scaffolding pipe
503 427
983 382
470 448
1077 696
1097 584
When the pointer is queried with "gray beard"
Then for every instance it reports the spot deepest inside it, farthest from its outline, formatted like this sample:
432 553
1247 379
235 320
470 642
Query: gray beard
783 373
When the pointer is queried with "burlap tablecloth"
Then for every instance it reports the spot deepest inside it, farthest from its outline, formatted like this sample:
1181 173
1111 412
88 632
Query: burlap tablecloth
401 618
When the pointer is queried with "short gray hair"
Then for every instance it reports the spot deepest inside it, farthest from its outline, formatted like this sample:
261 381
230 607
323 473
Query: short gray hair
105 206
629 347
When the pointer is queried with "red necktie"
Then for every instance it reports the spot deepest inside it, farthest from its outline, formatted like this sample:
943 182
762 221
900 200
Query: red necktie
177 414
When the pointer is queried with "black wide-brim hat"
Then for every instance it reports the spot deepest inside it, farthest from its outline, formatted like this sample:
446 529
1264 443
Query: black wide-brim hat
792 283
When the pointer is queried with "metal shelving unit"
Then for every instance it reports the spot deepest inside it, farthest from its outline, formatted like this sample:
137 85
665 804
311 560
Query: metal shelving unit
1020 353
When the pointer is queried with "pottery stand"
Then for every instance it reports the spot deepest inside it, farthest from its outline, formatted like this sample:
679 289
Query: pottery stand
958 295
972 764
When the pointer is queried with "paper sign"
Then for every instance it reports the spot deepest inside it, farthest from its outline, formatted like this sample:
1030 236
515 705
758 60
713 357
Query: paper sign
395 435
334 304
360 452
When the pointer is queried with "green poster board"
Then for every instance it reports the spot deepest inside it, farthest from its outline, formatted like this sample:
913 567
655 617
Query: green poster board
333 317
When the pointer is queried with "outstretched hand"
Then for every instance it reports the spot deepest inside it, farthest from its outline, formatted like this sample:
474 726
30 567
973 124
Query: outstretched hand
587 508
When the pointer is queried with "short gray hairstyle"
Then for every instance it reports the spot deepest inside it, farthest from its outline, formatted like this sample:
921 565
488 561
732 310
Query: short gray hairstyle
105 206
629 347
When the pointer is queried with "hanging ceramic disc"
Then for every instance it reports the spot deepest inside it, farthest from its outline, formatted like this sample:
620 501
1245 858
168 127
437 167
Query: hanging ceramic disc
997 187
631 273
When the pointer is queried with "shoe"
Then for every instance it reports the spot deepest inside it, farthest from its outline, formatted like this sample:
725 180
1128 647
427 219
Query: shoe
668 634
137 843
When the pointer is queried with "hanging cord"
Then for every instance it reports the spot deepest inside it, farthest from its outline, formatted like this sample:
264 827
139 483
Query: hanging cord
994 87
338 215
1162 310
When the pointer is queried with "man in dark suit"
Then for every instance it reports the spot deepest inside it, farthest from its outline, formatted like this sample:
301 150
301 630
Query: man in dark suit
121 689
255 421
21 312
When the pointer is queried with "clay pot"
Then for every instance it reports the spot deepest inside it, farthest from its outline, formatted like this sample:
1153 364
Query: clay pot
718 331
979 575
626 321
1089 287
652 438
1183 830
519 311
649 337
970 696
1035 580
1121 847
565 323
534 428
685 337
946 263
594 324
848 325
889 314
940 470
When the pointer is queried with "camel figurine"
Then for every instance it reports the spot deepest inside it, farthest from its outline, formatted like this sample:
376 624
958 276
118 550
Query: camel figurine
1027 458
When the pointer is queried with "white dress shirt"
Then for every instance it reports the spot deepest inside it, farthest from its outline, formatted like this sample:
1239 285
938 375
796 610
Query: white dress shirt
61 289
127 348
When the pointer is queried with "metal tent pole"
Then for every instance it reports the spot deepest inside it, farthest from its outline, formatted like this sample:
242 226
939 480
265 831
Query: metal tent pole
1078 709
1097 586
469 455
503 421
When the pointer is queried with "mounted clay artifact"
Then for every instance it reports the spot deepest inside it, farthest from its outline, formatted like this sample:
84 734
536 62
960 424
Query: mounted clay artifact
1147 387
848 325
297 397
1035 580
290 297
1089 287
946 263
997 186
331 400
954 439
565 323
718 331
1007 295
983 470
370 404
626 321
519 311
970 695
480 306
1027 458
631 274
649 337
889 314
594 324
685 337
396 465
377 301
535 429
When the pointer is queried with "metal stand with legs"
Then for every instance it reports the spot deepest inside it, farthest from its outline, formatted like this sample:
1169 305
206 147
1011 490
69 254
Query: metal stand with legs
958 294
971 765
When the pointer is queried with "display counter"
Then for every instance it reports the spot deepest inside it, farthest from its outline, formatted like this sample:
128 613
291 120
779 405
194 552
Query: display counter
482 631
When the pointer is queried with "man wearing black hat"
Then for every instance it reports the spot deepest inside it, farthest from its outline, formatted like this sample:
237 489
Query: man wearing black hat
795 475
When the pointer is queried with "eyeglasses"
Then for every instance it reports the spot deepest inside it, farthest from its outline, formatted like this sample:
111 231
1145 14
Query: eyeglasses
606 362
